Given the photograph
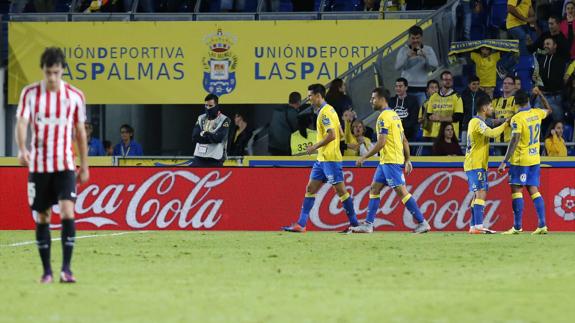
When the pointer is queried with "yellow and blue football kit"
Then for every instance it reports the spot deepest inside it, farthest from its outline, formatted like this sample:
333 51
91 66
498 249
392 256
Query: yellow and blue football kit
391 159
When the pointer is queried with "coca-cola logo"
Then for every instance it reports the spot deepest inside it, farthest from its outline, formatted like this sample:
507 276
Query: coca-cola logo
443 198
166 198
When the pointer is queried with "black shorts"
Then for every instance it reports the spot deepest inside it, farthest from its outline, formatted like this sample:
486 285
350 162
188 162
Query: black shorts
46 189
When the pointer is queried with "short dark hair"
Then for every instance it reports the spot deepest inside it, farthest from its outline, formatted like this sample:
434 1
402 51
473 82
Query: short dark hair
52 56
550 37
212 96
556 18
473 78
444 73
294 97
317 89
432 82
482 101
521 98
241 114
415 30
509 77
402 80
381 92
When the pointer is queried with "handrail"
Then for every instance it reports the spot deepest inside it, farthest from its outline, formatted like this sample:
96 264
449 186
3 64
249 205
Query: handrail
388 46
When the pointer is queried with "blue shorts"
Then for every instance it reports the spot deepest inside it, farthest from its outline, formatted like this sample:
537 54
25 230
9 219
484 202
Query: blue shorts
524 175
390 175
327 172
477 180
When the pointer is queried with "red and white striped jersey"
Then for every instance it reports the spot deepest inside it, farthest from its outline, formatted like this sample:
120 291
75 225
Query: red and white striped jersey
52 116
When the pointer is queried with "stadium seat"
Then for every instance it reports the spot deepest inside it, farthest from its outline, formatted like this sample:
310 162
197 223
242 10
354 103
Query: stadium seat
568 132
524 70
497 14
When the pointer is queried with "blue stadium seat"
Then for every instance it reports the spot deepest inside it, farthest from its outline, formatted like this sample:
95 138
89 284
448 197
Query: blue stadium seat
497 13
567 132
251 6
524 70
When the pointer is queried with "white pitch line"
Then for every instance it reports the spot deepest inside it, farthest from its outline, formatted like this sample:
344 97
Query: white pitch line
25 243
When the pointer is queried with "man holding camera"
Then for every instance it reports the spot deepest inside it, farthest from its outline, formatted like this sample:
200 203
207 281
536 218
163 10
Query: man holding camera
415 61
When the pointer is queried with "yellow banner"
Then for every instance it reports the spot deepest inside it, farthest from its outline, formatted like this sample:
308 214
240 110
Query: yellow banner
180 62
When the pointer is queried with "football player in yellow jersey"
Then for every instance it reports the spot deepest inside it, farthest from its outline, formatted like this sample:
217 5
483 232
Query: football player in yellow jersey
523 154
476 158
328 167
393 150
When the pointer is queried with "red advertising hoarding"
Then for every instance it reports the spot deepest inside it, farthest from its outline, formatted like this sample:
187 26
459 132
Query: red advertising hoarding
267 198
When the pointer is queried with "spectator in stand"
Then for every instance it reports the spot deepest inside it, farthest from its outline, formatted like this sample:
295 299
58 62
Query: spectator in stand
517 86
357 144
569 72
240 135
469 98
303 137
431 88
446 143
415 61
407 108
108 148
554 142
443 106
372 5
302 5
337 98
95 147
486 68
551 68
504 108
554 32
520 15
127 145
283 124
568 27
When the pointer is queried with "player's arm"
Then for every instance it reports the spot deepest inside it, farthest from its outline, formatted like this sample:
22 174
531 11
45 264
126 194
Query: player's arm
493 132
82 141
510 150
381 139
330 136
21 132
406 155
543 99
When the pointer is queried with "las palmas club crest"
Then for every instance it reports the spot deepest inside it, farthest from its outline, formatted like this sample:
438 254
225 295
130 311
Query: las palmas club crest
220 64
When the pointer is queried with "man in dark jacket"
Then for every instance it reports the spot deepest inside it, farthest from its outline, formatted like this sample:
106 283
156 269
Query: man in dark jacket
282 125
407 108
469 97
554 32
552 67
239 136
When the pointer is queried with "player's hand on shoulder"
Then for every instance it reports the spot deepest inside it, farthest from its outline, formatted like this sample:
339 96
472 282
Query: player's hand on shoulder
24 157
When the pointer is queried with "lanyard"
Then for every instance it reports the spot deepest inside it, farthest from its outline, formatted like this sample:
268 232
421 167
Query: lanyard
125 154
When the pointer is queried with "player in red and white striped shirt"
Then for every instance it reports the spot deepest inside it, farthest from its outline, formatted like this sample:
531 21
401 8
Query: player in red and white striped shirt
56 112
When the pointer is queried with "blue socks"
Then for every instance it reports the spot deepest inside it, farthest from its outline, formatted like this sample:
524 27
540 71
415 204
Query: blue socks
308 202
539 208
347 202
372 208
478 208
518 205
412 207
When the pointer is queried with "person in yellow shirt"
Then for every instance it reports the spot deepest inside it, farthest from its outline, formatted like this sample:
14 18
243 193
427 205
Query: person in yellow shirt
476 158
520 15
443 106
554 142
303 137
357 143
328 167
569 71
486 68
504 108
523 155
393 151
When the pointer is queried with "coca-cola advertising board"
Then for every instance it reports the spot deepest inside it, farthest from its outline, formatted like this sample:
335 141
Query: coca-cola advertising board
154 198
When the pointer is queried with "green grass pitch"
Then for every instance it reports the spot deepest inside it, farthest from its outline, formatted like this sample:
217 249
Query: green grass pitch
281 277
